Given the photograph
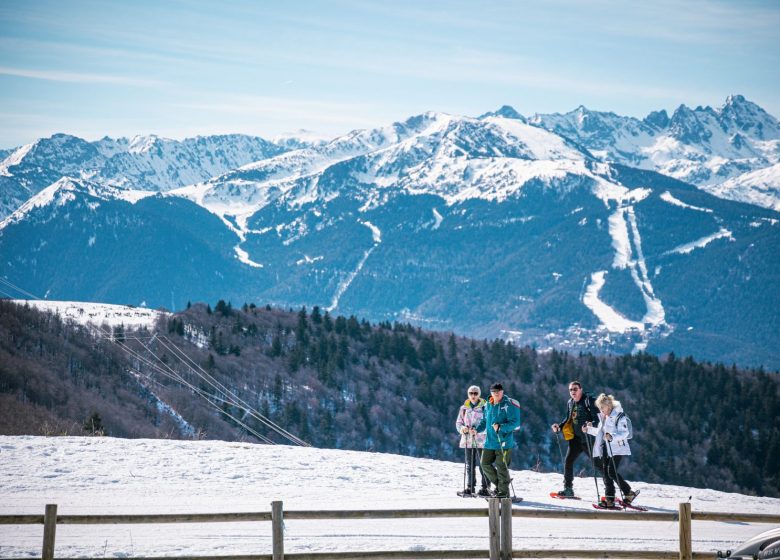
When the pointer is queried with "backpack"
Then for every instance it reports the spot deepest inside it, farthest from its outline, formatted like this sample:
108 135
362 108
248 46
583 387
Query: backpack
628 424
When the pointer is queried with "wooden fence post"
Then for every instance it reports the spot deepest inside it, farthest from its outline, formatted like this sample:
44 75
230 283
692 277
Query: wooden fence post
494 529
277 530
49 531
506 529
686 547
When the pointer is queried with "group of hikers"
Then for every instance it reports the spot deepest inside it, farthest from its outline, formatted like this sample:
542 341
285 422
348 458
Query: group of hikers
596 427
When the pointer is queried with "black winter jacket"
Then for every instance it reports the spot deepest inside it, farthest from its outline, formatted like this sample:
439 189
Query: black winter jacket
588 403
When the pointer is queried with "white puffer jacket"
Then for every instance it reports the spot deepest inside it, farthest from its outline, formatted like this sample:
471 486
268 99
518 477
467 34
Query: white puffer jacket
469 416
618 429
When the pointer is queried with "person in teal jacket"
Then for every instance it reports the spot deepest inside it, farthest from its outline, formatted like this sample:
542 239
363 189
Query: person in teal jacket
501 419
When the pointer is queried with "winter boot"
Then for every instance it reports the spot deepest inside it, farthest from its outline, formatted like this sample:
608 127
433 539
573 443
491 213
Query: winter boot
607 502
484 492
631 496
567 492
468 492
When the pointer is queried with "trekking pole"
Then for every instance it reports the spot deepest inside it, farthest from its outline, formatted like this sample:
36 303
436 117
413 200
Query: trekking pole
474 457
593 462
614 469
560 451
465 463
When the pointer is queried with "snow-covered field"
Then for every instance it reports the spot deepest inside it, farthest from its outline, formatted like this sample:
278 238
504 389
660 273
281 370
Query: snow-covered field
106 475
97 314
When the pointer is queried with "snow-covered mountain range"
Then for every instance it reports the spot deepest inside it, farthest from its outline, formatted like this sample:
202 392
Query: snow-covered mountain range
731 151
489 226
143 162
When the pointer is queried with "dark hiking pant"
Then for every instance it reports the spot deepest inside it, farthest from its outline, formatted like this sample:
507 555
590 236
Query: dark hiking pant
472 462
577 446
610 475
495 466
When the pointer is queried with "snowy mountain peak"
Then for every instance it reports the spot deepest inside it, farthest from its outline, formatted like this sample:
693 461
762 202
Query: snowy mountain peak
686 127
65 190
72 152
745 116
505 111
140 144
658 119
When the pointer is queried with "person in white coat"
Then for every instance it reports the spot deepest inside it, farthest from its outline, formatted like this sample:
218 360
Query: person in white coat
469 417
610 447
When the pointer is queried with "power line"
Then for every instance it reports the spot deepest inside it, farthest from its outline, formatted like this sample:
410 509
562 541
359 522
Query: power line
231 398
210 379
173 375
17 288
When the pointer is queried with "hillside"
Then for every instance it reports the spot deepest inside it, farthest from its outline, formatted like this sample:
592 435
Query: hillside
341 383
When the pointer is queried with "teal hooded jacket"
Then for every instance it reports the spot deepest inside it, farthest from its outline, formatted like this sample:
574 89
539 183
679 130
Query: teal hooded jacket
505 413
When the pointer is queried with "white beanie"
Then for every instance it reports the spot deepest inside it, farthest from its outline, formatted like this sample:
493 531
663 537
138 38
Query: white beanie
475 388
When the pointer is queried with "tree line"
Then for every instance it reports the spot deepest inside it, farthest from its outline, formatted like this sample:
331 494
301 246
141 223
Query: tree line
342 382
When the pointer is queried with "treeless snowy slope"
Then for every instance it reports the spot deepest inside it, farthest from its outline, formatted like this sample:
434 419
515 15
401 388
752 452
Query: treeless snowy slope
98 314
105 475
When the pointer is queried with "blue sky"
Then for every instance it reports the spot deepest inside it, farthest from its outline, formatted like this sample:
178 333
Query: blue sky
184 68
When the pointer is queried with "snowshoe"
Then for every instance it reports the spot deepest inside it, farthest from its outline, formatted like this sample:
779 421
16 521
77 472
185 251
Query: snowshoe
626 505
515 499
565 494
466 494
615 507
607 503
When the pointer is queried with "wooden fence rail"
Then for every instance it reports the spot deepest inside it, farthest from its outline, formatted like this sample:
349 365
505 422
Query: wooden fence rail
500 514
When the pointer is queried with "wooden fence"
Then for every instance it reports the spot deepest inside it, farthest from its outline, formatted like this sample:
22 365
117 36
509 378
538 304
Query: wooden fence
500 514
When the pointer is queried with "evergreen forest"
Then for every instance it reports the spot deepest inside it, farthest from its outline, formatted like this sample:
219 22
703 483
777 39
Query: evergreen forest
341 382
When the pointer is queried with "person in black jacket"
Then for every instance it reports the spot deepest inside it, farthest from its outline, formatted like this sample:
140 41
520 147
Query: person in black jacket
581 409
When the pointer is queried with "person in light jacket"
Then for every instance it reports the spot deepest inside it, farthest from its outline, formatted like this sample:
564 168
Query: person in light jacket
469 417
611 446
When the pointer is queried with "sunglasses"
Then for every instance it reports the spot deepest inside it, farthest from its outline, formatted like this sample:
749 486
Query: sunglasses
574 389
473 393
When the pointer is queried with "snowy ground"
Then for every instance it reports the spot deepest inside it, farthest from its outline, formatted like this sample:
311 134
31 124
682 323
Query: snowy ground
97 314
105 475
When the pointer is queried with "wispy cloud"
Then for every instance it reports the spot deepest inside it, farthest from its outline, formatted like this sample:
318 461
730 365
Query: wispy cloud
287 109
80 77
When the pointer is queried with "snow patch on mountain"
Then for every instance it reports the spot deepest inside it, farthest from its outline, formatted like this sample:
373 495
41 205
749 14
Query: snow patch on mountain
376 233
618 231
308 260
14 159
655 315
98 314
243 256
671 199
702 242
344 284
627 243
610 319
437 219
760 187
